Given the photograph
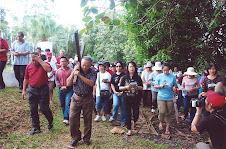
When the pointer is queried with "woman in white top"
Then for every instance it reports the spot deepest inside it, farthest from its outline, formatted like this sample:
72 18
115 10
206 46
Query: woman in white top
102 83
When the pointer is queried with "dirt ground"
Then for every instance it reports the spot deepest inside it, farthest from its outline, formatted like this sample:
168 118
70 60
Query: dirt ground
15 117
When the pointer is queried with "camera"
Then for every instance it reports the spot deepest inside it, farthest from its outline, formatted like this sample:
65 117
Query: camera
198 102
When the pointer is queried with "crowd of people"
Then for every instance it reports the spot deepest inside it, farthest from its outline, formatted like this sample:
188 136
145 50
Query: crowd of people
85 85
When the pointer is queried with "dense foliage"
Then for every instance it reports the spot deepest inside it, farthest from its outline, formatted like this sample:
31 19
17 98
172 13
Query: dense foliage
185 33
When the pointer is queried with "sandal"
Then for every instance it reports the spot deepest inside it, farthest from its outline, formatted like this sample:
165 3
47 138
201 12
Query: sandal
160 126
129 133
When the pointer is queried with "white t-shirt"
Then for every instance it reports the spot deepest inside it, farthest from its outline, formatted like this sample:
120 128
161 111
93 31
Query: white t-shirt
147 77
53 59
103 86
53 65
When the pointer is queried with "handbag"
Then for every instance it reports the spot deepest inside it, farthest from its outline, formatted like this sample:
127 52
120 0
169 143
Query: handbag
103 93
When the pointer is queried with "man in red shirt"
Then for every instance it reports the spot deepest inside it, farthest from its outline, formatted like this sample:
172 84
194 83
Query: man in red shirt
64 92
38 93
4 48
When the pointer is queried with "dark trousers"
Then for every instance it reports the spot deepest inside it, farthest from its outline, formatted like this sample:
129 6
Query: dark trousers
2 66
19 71
109 106
147 98
86 104
187 106
39 95
132 104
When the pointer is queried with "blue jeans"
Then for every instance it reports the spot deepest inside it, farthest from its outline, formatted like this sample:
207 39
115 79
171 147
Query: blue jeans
187 105
179 100
118 102
65 100
101 103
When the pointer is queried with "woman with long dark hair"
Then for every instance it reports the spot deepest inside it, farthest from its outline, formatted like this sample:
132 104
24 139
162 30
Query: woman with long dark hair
131 85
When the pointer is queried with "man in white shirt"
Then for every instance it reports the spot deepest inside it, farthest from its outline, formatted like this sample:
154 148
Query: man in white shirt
146 79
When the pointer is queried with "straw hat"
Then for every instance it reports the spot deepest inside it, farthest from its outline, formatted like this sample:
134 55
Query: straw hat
157 66
190 71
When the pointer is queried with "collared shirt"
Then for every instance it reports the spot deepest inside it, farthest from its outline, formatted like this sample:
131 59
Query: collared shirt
36 76
80 87
147 77
21 47
153 76
3 45
61 76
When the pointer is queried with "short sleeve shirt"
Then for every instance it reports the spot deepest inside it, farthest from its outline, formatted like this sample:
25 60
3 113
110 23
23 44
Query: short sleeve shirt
168 81
3 45
209 84
36 76
154 74
53 65
21 47
100 84
147 77
115 80
80 88
215 127
126 80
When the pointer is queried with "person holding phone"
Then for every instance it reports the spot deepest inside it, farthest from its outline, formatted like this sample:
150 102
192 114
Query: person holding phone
166 83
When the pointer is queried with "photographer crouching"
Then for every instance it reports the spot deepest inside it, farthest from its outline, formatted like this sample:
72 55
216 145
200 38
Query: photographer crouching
214 124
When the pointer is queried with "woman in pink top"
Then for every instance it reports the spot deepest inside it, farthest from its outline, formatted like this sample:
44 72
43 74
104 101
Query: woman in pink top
191 84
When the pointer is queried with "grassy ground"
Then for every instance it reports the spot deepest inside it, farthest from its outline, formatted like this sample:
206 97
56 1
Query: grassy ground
15 126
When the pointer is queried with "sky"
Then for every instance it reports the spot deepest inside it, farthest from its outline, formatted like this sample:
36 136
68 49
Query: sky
68 11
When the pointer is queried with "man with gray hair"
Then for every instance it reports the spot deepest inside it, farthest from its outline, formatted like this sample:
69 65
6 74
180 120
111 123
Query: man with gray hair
20 50
82 99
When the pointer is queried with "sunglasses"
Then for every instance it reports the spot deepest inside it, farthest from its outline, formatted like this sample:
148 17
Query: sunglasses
118 66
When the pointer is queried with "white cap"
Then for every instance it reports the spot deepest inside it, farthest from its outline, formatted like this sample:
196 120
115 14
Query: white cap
157 66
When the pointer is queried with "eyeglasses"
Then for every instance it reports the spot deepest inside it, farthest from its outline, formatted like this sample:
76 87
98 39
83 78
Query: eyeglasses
118 66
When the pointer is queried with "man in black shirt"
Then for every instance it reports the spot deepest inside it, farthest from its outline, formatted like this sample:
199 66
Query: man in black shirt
214 124
82 99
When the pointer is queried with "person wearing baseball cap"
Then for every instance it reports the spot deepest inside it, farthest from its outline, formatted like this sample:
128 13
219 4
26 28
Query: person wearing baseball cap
214 124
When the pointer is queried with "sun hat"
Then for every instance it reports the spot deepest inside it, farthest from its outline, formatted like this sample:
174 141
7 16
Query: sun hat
140 70
157 66
190 71
149 64
49 54
215 99
100 63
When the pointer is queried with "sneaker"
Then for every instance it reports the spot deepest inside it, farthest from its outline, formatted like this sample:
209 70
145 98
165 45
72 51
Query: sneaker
35 131
20 90
66 122
74 143
88 143
104 118
97 118
153 110
110 120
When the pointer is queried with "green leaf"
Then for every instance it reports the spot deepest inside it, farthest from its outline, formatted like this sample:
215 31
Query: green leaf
87 19
97 21
99 16
87 7
130 26
107 21
112 4
82 31
87 12
127 6
110 27
90 24
116 22
83 3
94 10
152 15
134 30
133 3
